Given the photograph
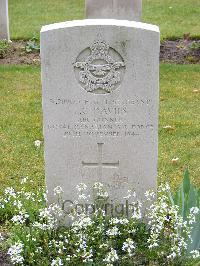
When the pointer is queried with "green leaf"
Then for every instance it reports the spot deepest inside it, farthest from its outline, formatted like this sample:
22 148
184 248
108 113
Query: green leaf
186 182
195 236
182 202
171 198
193 197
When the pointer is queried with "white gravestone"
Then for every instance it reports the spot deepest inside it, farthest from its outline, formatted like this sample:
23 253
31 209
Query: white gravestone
4 21
114 9
100 101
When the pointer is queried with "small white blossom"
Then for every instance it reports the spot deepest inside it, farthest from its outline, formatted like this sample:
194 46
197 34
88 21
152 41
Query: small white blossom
175 160
102 194
10 192
111 256
20 218
113 231
44 213
130 194
24 180
37 143
58 190
15 252
195 254
172 255
81 187
194 210
83 196
128 246
98 185
57 262
150 195
1 237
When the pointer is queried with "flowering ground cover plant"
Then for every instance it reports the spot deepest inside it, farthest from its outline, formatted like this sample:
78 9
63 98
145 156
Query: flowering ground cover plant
153 235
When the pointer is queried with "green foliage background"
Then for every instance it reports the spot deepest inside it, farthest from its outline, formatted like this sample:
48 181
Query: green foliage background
174 17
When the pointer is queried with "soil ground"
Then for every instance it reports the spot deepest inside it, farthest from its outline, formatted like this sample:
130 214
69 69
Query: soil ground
180 51
183 51
4 260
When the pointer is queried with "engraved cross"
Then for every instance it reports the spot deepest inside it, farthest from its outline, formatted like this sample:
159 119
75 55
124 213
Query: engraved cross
100 164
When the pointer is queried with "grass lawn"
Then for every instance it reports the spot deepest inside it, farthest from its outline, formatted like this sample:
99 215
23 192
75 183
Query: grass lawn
21 124
175 17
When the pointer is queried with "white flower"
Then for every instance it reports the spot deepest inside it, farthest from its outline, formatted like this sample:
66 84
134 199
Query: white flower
24 180
172 255
15 253
128 246
58 190
45 196
102 194
1 237
68 258
2 206
44 213
80 187
149 195
175 160
113 231
18 203
10 192
83 196
195 254
57 262
194 210
98 185
115 221
37 143
111 256
56 210
164 188
168 127
130 194
136 213
87 257
20 218
82 223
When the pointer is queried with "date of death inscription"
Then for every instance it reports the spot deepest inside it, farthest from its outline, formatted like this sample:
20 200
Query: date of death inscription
101 130
127 118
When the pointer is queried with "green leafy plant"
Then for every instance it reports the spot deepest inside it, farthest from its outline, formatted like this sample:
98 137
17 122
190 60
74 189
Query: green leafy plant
4 47
188 198
39 233
32 45
191 59
195 46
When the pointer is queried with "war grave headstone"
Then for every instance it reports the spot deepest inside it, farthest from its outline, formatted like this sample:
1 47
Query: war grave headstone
100 81
4 20
115 9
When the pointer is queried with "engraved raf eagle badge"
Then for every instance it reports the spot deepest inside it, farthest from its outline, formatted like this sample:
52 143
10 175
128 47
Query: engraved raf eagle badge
99 68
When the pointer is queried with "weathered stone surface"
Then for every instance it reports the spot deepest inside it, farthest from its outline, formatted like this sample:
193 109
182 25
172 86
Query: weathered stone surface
114 9
100 100
4 21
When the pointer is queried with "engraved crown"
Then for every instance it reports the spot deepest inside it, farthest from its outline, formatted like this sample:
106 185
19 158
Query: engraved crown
99 47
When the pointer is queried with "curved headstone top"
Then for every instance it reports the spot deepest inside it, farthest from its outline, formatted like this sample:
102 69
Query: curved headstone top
100 22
